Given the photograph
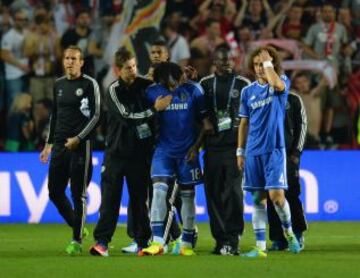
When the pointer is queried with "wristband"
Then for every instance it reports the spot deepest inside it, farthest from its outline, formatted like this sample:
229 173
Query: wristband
268 64
240 152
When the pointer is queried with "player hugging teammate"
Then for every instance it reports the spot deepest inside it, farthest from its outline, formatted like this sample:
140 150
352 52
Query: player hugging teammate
186 114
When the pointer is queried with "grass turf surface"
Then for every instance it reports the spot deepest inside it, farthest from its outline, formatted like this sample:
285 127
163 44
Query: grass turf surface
332 250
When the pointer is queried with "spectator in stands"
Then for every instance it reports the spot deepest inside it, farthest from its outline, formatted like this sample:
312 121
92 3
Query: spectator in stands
12 53
177 44
291 25
326 39
63 14
243 38
311 97
42 111
208 42
102 29
255 14
344 18
222 11
354 6
5 19
204 46
267 32
82 37
186 9
20 126
25 5
42 47
353 51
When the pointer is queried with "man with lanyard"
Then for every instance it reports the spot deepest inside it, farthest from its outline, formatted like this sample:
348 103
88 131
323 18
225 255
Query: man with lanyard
222 177
127 154
75 114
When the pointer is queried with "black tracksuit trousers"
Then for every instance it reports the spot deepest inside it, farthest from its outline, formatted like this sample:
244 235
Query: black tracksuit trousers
76 166
136 170
224 196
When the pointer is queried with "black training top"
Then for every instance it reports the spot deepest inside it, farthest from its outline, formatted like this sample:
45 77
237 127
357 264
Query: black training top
128 109
222 93
76 108
295 125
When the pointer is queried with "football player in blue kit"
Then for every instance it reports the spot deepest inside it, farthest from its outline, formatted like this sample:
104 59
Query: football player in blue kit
174 156
261 130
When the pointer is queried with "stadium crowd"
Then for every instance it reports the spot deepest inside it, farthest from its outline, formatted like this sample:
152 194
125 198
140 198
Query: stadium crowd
318 41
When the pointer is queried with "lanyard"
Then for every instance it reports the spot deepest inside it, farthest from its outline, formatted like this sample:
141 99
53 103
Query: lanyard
229 94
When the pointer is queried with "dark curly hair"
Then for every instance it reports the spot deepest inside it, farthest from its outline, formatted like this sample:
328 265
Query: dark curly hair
273 53
168 74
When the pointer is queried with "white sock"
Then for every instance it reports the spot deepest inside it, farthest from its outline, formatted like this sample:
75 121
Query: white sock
259 218
158 211
188 217
285 216
188 209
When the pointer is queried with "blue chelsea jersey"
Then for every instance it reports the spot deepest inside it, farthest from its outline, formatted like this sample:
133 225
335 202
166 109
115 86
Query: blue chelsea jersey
178 123
265 109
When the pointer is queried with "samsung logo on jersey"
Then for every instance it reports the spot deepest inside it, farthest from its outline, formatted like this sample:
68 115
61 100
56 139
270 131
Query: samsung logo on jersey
177 106
261 103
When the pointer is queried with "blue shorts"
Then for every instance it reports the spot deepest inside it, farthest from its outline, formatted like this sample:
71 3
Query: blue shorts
186 173
265 172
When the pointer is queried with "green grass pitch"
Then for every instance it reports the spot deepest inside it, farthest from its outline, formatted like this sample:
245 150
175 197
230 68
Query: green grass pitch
332 250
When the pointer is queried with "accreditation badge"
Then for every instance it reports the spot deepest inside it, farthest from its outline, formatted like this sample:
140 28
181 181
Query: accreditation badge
143 131
224 121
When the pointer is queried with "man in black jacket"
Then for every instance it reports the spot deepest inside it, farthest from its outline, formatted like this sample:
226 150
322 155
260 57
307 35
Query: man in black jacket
128 153
295 133
158 53
76 112
223 191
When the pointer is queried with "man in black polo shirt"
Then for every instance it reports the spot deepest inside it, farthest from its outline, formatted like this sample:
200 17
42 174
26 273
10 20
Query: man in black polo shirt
76 112
222 177
129 145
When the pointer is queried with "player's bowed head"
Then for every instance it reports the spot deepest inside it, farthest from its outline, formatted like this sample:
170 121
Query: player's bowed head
170 75
265 63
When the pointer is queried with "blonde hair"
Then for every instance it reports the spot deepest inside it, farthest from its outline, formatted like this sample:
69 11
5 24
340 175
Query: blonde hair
20 102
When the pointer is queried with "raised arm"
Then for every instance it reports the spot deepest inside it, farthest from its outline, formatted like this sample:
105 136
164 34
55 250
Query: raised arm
271 76
275 19
204 6
320 88
230 10
121 111
268 10
241 14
